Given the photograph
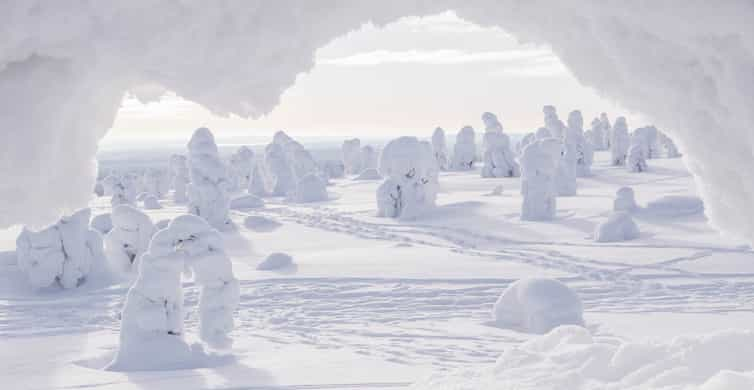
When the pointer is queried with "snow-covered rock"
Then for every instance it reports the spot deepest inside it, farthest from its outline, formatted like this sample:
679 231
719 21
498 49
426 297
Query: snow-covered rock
369 174
440 149
150 202
538 305
208 191
624 200
63 253
102 223
310 188
464 150
180 177
246 202
410 187
129 237
619 226
275 261
351 151
619 141
539 168
498 157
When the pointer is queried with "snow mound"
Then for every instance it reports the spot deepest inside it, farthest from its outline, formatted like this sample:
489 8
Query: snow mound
537 305
260 224
310 188
275 261
150 202
246 202
618 227
624 200
369 174
102 223
569 357
675 206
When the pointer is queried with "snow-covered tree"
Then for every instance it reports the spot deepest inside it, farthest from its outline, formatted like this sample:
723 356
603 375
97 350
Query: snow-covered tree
671 151
241 162
208 191
624 200
498 157
410 187
464 150
62 254
552 122
597 136
575 135
539 168
155 182
257 184
279 177
636 161
368 158
180 176
567 167
333 169
151 333
619 141
310 188
351 151
542 133
440 149
524 142
607 130
128 238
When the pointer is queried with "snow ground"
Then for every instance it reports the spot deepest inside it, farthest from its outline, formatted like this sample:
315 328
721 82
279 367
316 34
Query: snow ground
376 303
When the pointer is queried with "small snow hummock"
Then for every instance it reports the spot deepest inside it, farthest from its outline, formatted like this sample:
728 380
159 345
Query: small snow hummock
498 158
539 168
351 151
618 227
275 261
102 223
619 142
538 305
246 202
150 202
63 253
180 174
410 187
369 174
208 191
129 238
464 150
151 333
310 188
624 200
440 149
675 206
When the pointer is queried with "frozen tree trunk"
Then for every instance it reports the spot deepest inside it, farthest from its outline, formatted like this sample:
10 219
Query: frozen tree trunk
440 149
619 142
208 191
464 150
128 239
351 150
539 165
410 186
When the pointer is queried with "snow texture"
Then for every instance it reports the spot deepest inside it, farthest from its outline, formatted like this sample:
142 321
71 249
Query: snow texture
259 223
246 202
619 226
411 183
208 190
351 151
62 254
440 149
310 188
539 170
537 305
275 261
498 158
128 239
464 150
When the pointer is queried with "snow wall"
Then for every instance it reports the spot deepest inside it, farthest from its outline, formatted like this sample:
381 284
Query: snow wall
64 68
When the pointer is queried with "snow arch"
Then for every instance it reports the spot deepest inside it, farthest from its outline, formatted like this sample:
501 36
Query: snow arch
65 68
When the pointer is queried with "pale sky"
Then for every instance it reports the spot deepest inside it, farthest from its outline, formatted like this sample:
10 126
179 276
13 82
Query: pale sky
403 79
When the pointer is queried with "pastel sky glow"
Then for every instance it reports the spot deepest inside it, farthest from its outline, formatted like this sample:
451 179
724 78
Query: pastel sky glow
405 78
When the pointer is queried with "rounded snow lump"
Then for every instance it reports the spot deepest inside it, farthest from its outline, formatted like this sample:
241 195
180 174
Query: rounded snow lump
369 174
618 227
538 305
275 261
246 202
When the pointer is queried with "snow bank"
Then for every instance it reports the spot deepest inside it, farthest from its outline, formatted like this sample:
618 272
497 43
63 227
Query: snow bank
63 253
464 150
410 187
675 206
275 261
569 357
537 305
129 238
618 227
440 149
310 188
246 202
259 223
208 191
369 174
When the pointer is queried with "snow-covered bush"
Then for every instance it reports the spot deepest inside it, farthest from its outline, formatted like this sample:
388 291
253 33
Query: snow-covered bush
538 305
368 158
539 167
619 141
464 150
624 200
369 174
246 202
151 333
597 136
575 135
410 187
351 151
619 226
275 261
440 149
279 177
102 223
240 168
129 237
498 158
552 122
62 253
180 176
150 202
208 191
310 188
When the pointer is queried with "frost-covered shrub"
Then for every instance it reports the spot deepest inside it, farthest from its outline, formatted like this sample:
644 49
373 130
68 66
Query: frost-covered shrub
208 191
410 187
464 150
151 333
619 142
539 166
440 149
310 188
129 237
102 223
597 136
552 123
279 177
584 151
351 151
624 200
498 158
150 202
240 168
180 176
62 253
368 158
618 227
538 305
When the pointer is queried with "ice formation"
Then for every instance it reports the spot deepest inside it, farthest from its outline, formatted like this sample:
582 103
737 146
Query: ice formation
552 123
310 188
619 226
410 187
498 158
539 168
128 239
368 158
246 202
624 200
351 151
584 152
180 177
537 305
62 254
241 168
208 191
440 149
619 141
151 333
275 261
464 150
